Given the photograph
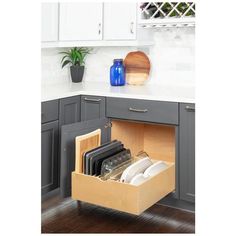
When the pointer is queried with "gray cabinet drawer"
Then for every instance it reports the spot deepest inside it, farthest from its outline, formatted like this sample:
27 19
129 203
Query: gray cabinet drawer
143 110
69 110
92 107
49 111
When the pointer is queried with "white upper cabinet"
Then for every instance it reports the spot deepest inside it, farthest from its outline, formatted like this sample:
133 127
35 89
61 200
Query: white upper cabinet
119 20
49 22
80 21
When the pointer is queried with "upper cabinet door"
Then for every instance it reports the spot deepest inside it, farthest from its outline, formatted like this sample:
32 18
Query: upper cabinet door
49 22
80 21
119 20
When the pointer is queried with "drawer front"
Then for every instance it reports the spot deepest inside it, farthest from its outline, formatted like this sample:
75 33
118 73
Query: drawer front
120 196
143 110
49 111
92 107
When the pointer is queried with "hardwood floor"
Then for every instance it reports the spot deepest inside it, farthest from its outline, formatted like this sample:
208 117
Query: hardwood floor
64 216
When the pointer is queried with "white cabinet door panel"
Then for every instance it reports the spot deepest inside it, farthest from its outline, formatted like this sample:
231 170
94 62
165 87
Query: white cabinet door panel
49 22
80 21
119 20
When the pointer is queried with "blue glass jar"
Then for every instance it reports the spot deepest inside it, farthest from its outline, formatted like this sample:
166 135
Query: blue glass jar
117 73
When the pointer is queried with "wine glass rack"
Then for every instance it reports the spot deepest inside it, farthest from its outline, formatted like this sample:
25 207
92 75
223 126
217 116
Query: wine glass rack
166 14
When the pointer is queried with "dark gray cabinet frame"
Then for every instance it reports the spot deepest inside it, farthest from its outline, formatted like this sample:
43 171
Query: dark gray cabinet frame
187 152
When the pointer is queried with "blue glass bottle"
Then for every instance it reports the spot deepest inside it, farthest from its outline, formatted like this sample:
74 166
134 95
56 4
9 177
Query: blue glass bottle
117 73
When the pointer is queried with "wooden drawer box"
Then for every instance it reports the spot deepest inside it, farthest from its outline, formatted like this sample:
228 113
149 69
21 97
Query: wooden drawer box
122 196
142 110
157 140
49 111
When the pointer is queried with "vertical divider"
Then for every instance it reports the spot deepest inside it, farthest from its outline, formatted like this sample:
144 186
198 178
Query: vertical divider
83 144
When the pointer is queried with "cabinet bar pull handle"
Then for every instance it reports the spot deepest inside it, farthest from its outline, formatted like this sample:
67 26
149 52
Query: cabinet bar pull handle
132 27
138 110
188 108
99 28
92 100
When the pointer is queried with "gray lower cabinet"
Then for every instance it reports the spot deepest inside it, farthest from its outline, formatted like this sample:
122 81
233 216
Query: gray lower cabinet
69 110
187 152
92 107
49 156
79 115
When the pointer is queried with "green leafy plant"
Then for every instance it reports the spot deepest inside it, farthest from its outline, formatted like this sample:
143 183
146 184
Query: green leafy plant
75 56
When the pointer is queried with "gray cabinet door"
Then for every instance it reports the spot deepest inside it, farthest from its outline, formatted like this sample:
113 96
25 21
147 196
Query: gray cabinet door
49 156
49 111
92 107
68 134
69 110
187 152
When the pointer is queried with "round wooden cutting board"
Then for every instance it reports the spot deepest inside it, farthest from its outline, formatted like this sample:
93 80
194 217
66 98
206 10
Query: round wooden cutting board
137 66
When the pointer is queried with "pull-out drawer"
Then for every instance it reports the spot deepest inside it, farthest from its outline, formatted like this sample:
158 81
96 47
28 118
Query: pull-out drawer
49 111
143 110
122 196
157 140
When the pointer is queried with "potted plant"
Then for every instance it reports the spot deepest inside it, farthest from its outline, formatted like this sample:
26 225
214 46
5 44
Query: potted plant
76 58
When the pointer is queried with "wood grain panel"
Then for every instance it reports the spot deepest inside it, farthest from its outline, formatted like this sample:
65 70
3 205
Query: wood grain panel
159 142
83 144
130 133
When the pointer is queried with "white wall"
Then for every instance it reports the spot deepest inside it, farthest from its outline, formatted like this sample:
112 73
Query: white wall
172 60
173 56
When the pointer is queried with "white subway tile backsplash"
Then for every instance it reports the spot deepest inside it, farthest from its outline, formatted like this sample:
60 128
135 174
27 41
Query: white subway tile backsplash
172 60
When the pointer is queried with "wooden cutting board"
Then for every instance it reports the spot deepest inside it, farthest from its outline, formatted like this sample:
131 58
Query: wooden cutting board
137 66
84 143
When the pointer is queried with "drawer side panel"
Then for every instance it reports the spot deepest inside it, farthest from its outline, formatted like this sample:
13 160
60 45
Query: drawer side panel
156 188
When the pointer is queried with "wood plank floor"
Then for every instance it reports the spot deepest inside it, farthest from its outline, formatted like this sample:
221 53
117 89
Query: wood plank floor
63 216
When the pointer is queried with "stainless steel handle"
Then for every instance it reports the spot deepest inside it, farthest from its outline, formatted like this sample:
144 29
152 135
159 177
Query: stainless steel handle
188 108
138 110
92 100
132 27
99 28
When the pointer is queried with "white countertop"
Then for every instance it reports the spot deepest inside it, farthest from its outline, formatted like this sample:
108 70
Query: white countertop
156 92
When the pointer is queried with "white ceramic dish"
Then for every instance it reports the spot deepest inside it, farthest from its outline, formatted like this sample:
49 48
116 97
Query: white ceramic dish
155 168
138 179
136 168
